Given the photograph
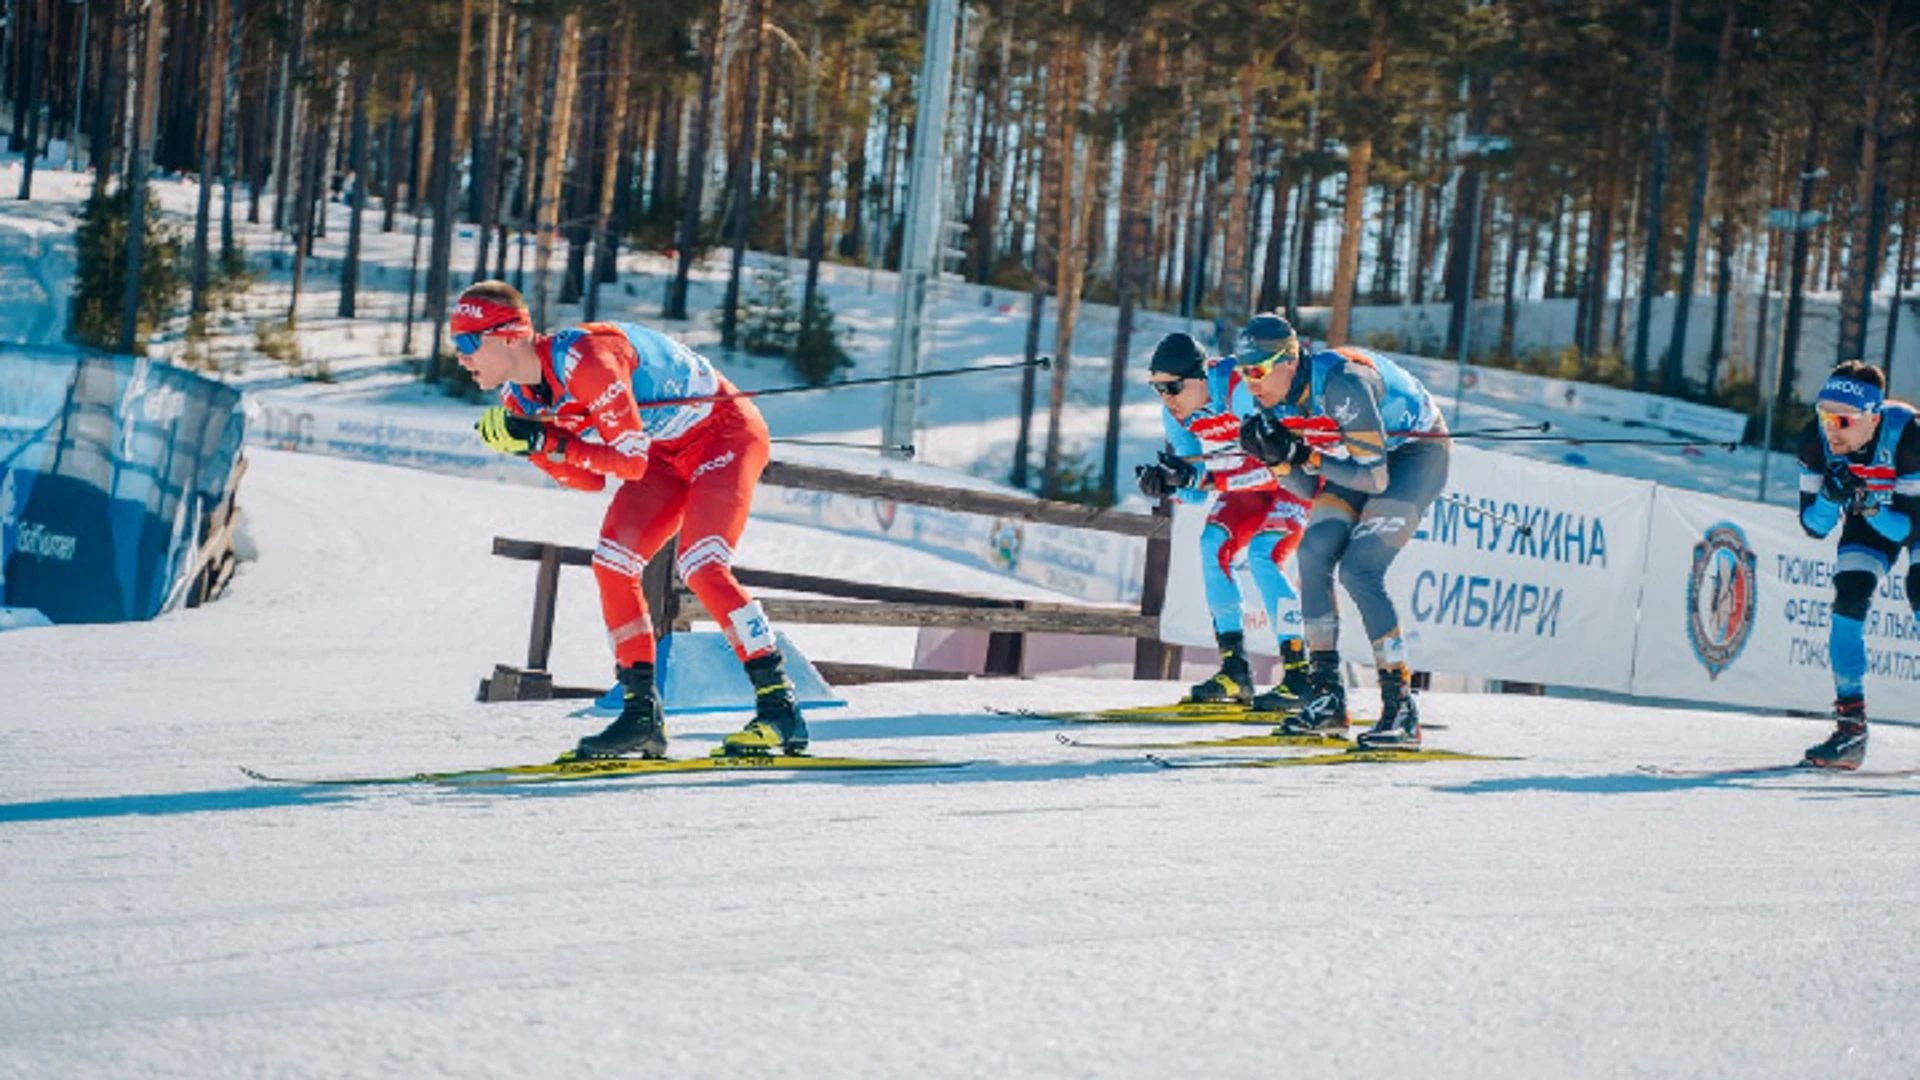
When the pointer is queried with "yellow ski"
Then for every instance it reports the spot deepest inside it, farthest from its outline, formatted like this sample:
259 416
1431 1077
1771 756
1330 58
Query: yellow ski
1347 757
1180 713
1236 742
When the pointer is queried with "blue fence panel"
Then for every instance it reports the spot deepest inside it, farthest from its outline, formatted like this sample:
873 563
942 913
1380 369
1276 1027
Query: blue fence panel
108 464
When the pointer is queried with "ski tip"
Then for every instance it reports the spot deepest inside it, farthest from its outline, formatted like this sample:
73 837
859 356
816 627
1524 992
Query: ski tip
1063 739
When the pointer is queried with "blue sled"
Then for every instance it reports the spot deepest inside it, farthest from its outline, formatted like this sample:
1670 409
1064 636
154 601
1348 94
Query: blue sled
701 675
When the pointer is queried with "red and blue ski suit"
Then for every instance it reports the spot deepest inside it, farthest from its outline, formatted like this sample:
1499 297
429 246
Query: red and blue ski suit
686 467
1255 511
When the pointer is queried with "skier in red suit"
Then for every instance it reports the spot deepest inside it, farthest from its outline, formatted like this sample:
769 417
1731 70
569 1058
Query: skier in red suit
580 405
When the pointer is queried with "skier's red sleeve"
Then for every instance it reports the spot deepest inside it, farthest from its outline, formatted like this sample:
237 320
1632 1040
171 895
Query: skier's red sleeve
602 377
563 474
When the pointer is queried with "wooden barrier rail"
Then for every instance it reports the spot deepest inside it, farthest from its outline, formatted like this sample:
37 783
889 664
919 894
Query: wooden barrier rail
868 604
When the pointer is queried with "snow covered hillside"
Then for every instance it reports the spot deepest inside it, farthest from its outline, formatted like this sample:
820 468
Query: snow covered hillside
1046 911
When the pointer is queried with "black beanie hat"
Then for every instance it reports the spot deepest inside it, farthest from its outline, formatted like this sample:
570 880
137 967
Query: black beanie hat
1180 356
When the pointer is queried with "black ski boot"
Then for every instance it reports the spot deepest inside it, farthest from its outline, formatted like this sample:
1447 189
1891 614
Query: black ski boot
1233 683
1399 725
1295 685
1325 711
777 723
1846 748
640 729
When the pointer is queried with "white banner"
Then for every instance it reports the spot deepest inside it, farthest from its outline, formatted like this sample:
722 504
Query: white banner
1585 399
437 443
1476 594
1737 606
1093 566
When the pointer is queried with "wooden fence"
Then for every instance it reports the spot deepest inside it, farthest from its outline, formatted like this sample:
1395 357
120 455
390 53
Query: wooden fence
834 601
215 563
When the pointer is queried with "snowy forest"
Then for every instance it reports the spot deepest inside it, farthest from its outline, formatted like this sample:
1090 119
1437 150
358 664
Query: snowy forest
1212 158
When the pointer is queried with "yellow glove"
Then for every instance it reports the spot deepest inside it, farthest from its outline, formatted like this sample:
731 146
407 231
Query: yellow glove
509 434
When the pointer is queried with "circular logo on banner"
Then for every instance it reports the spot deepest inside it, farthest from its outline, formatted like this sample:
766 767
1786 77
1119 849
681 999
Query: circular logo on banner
1723 595
1004 542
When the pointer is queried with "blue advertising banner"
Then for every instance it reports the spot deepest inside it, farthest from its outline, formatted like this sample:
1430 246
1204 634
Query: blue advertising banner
108 464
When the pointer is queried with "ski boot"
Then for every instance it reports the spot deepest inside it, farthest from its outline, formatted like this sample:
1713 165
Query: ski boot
777 723
1399 725
1847 746
1233 683
1295 685
1325 711
640 729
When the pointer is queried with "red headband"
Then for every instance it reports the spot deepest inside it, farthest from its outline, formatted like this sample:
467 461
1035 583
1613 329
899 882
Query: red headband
473 315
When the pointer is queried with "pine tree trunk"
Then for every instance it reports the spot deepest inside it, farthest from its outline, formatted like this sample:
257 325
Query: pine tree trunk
583 180
823 138
1046 228
293 67
676 302
1346 270
1508 313
350 267
486 140
1276 253
610 165
146 94
1789 366
566 66
1856 295
1130 266
30 99
509 196
1235 289
210 144
446 183
1656 193
742 173
1069 260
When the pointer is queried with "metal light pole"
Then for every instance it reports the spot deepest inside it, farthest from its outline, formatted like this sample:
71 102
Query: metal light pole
1471 146
1793 222
922 241
1776 359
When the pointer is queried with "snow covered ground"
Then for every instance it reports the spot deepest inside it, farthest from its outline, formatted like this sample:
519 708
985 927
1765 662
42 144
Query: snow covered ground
1046 911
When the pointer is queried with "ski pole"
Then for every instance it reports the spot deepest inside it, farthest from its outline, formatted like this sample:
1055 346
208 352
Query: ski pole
1524 528
1576 440
903 449
1041 362
1503 431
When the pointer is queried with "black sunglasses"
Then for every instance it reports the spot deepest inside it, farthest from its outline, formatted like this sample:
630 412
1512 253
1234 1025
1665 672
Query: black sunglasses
1170 387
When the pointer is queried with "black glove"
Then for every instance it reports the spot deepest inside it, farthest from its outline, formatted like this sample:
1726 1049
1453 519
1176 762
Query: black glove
1182 472
1270 442
1154 482
1841 484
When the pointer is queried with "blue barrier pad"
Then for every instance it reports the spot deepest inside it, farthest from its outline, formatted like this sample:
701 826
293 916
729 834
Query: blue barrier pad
700 674
19 618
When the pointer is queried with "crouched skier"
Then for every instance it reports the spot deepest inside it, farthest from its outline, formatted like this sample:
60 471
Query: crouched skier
1255 511
1371 431
575 404
1860 470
